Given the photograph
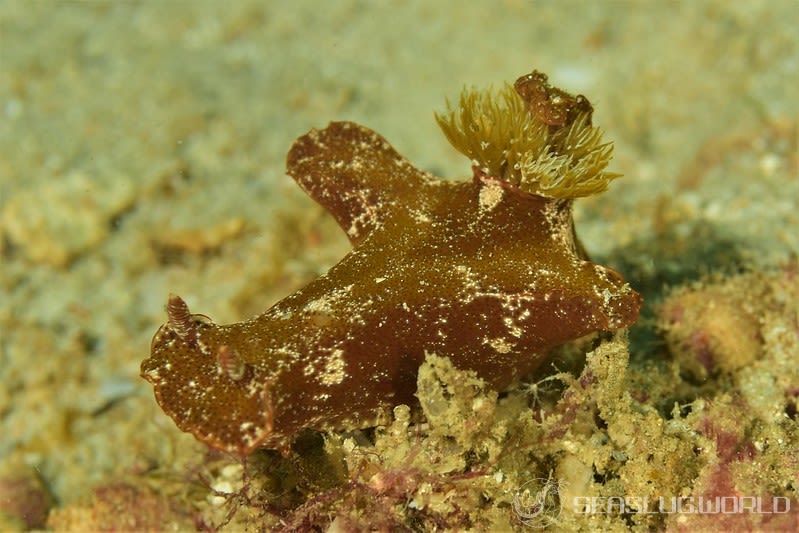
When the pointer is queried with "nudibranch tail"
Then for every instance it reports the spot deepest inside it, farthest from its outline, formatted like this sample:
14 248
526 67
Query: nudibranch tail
549 105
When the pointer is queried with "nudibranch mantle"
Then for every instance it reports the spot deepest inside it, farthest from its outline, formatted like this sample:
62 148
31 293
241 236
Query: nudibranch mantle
480 271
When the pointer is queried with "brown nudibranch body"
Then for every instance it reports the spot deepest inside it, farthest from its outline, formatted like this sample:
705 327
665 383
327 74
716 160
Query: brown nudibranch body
485 271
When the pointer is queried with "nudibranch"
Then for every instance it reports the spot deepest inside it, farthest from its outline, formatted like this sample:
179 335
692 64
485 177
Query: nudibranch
486 271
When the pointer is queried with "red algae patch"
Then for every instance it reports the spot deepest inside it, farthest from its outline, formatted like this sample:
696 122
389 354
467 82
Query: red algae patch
727 325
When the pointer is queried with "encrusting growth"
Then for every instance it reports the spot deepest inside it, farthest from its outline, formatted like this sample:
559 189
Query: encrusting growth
485 271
